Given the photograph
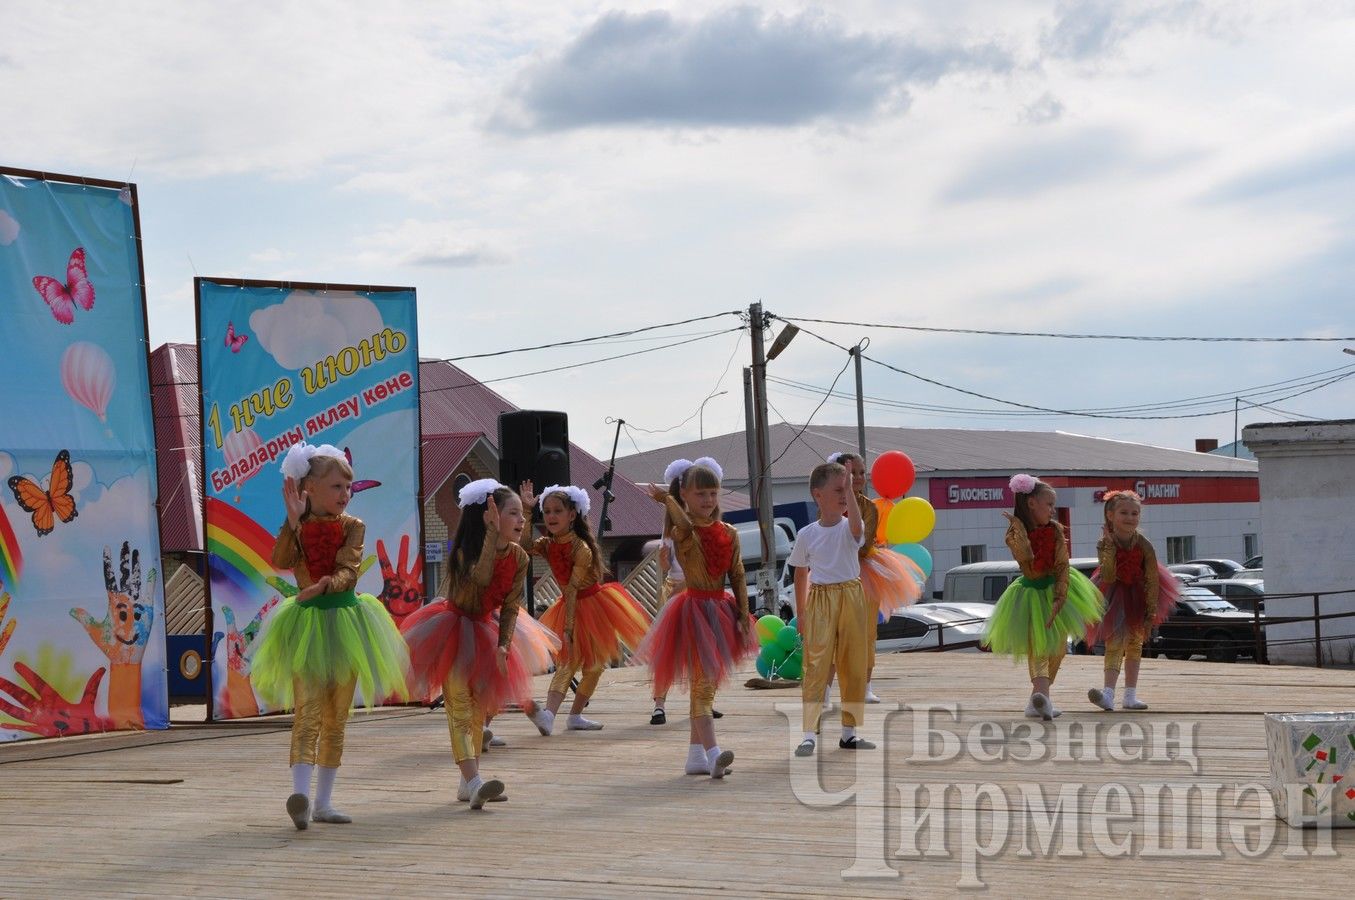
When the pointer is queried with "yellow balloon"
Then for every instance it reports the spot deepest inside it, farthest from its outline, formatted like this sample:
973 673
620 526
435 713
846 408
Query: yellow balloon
910 521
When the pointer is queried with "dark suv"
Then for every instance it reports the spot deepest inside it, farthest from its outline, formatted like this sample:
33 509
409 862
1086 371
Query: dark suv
1205 623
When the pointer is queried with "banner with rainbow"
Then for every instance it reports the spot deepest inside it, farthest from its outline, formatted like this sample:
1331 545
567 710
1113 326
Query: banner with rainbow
82 642
285 363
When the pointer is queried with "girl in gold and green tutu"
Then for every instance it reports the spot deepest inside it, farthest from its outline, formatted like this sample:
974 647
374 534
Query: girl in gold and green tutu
1049 603
325 642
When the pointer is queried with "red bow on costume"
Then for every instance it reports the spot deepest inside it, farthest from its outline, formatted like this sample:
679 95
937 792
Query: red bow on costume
1042 541
717 546
320 543
560 555
1129 564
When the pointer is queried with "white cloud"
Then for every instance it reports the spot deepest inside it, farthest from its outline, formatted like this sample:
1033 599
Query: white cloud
442 244
309 325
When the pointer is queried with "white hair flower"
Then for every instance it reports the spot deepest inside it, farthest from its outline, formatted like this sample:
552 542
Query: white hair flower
712 465
297 463
577 496
477 492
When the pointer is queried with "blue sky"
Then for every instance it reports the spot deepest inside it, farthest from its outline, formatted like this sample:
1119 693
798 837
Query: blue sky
560 171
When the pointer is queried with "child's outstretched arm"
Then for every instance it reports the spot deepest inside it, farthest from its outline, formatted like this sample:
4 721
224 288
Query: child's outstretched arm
1018 542
508 615
738 579
855 522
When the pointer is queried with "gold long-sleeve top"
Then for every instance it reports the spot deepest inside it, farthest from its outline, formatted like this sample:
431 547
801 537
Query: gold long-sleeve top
582 574
870 522
1107 555
287 552
692 555
1018 541
470 596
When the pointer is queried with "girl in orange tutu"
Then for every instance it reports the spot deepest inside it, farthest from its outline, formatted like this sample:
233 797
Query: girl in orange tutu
596 620
704 630
890 580
472 643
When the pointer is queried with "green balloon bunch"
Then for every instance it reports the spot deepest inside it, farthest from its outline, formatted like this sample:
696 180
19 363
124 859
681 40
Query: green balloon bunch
782 654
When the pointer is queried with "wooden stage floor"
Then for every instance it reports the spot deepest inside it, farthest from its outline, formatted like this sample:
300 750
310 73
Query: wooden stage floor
198 811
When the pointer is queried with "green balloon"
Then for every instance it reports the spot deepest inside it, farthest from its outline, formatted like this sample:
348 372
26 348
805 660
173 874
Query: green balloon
763 668
772 656
788 639
793 666
768 627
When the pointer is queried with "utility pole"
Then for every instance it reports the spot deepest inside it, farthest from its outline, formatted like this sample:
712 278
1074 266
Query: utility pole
860 407
750 434
1236 403
766 574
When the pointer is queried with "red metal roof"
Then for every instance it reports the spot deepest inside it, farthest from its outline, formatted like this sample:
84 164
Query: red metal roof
442 453
174 403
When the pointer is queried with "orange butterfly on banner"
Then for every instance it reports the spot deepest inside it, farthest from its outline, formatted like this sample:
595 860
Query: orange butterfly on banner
51 504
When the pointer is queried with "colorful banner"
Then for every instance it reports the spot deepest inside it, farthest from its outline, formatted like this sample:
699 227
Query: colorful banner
82 640
282 364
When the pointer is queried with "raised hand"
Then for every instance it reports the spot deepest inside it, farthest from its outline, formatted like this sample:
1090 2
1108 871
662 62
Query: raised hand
40 710
491 513
7 629
658 492
295 500
401 591
123 635
526 495
238 698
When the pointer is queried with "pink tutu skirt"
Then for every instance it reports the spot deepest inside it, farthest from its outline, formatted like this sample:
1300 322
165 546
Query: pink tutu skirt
696 634
607 621
444 641
1127 605
891 580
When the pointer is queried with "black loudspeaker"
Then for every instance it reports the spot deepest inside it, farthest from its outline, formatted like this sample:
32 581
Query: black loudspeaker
533 445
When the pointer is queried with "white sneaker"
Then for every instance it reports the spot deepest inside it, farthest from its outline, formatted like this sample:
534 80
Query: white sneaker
463 794
1031 711
579 723
871 697
544 720
1135 703
487 792
1098 698
331 816
719 766
1043 706
496 741
299 809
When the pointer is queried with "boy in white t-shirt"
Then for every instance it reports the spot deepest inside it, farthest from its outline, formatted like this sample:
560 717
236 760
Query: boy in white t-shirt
832 613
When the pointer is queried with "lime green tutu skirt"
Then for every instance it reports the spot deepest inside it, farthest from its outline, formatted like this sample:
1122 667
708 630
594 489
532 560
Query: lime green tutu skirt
1018 624
332 638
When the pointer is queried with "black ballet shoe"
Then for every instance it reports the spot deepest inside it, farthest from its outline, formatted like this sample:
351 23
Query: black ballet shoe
855 743
659 717
716 714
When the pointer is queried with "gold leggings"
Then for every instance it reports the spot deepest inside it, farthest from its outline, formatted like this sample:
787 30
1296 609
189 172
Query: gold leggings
1045 666
837 630
317 727
564 672
465 719
702 696
1121 648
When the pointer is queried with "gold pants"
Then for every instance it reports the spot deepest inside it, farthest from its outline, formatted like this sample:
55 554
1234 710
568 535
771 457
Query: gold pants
837 630
702 696
564 672
1045 666
465 719
317 726
1119 649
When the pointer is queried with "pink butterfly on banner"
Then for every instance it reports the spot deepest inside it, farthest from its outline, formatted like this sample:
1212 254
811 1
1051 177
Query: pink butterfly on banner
62 298
233 340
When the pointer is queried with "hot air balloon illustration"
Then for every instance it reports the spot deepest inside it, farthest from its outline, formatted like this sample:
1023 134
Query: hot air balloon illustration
237 447
88 375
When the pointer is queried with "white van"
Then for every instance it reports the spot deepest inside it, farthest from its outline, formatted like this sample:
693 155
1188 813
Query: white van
984 582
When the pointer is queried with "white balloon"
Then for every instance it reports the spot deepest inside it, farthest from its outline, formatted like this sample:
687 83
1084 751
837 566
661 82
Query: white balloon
88 375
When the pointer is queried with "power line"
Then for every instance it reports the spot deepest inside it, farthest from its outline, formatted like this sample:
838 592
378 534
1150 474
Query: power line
1060 412
738 342
592 362
616 334
808 420
1066 336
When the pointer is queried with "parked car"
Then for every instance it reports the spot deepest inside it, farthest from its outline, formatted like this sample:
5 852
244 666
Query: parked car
1223 568
1194 571
1244 593
1184 578
984 582
919 627
1254 574
1253 562
1205 623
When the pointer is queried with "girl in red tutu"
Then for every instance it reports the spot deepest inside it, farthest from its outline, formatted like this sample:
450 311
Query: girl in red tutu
1140 594
472 643
704 630
596 620
890 580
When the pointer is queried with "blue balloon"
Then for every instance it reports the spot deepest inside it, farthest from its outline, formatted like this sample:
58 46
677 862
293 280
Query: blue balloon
879 618
918 554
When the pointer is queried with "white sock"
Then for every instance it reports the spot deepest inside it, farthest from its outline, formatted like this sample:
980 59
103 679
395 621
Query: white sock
324 785
473 785
301 778
810 736
1129 693
848 732
711 756
1108 694
696 760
